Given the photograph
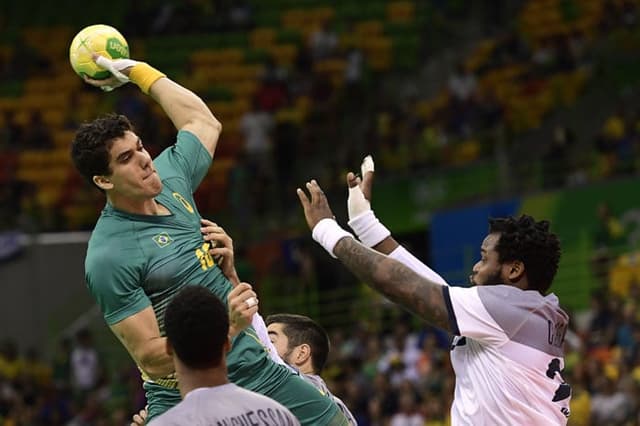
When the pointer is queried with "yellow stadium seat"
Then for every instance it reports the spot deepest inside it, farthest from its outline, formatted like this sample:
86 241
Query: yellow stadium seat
54 118
400 11
63 138
211 57
283 54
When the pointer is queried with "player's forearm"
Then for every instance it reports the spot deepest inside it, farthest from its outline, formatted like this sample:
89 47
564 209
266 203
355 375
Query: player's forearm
386 246
154 360
182 105
395 281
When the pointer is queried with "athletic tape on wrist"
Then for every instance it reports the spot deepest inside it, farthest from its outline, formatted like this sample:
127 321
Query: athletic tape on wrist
327 233
369 229
144 75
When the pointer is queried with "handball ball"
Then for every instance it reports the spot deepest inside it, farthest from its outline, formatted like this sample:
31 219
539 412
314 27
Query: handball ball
101 39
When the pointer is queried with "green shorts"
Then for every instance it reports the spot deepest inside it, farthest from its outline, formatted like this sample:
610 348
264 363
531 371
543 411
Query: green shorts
159 399
306 402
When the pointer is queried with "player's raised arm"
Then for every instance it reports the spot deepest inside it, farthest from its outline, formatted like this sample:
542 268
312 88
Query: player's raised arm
394 280
183 107
370 231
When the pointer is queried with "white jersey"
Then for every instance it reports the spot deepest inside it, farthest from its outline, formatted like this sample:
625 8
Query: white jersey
224 405
319 383
507 356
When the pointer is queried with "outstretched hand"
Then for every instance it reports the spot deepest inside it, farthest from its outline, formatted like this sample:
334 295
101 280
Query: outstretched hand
316 207
359 200
367 169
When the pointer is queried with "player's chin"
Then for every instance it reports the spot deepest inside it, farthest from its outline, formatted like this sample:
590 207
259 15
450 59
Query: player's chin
154 184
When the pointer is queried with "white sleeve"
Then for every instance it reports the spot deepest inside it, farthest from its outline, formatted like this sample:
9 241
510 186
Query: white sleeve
469 317
261 330
403 256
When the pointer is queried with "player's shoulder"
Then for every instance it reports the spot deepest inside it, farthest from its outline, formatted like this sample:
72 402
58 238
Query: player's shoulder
247 395
507 298
112 241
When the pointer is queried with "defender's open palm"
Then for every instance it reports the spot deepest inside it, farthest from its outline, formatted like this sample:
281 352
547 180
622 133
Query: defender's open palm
316 207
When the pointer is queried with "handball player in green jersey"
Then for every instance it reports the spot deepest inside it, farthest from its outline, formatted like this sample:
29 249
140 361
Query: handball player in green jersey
148 244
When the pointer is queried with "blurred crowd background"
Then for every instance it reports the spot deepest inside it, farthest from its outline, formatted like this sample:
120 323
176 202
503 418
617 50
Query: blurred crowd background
462 104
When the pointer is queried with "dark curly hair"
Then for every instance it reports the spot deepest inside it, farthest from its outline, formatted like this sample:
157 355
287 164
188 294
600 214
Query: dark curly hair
196 323
530 242
299 330
92 142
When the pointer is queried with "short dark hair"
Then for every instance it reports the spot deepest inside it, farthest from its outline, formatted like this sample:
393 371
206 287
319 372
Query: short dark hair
530 242
196 323
300 329
92 142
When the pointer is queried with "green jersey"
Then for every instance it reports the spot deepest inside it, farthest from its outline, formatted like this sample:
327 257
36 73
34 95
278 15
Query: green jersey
136 261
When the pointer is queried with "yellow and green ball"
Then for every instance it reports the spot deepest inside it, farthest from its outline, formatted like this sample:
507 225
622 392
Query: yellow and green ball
101 39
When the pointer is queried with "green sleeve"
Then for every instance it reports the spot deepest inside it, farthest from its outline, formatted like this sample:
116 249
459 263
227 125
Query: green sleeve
115 283
188 158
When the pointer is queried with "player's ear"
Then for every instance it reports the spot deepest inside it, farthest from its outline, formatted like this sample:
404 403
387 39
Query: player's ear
304 352
102 182
516 271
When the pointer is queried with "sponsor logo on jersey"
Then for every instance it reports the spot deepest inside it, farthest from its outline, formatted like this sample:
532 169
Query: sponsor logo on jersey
162 239
183 201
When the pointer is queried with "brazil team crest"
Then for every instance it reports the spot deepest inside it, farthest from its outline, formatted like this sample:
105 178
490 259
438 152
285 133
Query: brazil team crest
162 239
183 201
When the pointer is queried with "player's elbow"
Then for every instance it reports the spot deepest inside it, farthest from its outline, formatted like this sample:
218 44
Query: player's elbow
153 368
210 125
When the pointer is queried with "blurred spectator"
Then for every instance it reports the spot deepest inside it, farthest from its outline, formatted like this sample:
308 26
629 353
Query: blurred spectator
556 159
323 42
241 15
609 233
610 230
257 126
85 363
272 93
407 414
609 405
462 84
544 56
401 357
11 364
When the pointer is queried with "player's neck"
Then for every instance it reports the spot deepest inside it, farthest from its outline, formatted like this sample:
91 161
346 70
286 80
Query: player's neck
305 368
143 207
189 380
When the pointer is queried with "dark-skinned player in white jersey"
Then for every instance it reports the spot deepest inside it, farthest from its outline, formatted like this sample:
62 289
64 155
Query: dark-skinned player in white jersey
507 349
148 244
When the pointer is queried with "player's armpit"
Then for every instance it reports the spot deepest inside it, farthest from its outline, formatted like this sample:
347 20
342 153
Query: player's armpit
140 335
396 281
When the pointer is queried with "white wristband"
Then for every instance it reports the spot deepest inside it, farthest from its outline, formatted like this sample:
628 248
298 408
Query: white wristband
369 229
327 233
